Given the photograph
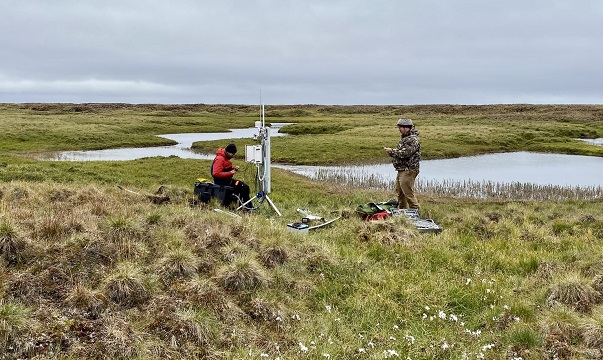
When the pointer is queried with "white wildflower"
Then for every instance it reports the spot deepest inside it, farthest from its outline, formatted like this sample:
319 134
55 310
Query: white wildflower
302 347
392 338
328 356
468 281
371 345
362 350
390 353
328 307
487 347
442 315
427 308
506 307
278 318
264 355
410 338
395 327
296 317
453 318
445 345
424 316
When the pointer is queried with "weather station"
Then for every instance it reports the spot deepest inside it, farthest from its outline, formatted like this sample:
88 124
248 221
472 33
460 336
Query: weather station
259 155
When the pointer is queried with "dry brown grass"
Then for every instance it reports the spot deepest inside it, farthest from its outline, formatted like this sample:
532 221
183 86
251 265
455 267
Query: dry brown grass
575 291
386 232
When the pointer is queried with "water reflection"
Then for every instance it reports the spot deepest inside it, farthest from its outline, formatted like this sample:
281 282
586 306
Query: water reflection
598 142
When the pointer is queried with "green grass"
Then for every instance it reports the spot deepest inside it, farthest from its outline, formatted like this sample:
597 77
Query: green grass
320 135
88 270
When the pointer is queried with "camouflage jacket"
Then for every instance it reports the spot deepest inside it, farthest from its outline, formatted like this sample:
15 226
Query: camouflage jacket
407 155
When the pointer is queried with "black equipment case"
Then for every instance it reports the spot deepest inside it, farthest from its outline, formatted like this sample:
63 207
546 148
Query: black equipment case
207 190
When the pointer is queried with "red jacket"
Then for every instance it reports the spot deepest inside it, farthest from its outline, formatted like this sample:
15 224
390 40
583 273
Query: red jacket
221 167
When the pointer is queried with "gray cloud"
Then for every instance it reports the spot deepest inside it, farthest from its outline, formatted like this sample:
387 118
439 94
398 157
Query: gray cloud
298 52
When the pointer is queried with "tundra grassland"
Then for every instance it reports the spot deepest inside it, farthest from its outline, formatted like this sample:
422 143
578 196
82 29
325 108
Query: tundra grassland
90 271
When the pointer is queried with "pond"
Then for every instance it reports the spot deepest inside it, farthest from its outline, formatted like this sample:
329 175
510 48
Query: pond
522 167
182 149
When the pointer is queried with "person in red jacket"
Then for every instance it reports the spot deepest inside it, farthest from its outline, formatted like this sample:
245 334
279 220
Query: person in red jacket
223 172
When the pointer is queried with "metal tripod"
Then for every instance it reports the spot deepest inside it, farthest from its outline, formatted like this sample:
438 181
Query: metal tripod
259 196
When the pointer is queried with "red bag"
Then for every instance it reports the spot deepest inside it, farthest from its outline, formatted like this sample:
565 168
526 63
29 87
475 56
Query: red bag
381 215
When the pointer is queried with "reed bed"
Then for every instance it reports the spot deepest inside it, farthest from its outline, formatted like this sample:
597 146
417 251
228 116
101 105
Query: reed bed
466 188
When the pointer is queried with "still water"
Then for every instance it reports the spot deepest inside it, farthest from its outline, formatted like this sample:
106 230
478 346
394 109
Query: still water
522 167
182 149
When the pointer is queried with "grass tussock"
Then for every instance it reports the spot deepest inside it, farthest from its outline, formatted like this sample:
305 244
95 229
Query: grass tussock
128 285
575 291
244 273
14 319
12 245
391 231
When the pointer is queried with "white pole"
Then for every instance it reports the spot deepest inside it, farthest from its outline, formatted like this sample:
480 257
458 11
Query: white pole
267 163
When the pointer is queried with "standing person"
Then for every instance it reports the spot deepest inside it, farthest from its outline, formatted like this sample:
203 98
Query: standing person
405 158
222 171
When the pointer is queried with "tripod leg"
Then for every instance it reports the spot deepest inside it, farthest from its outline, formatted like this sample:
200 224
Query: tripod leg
246 202
273 206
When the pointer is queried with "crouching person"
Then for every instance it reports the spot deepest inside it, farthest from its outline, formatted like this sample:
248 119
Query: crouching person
223 172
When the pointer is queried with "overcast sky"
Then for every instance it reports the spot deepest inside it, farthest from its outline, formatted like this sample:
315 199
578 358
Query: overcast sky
302 51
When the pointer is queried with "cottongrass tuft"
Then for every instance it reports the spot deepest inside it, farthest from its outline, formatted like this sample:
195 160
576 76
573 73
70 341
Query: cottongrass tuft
245 273
14 318
201 290
216 237
11 243
119 228
125 233
198 325
127 285
274 255
89 300
178 262
574 291
234 250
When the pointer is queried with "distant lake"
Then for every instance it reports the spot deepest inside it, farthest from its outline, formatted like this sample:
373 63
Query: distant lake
522 167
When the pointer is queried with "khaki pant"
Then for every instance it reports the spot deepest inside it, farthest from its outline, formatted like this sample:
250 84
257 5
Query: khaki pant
405 183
